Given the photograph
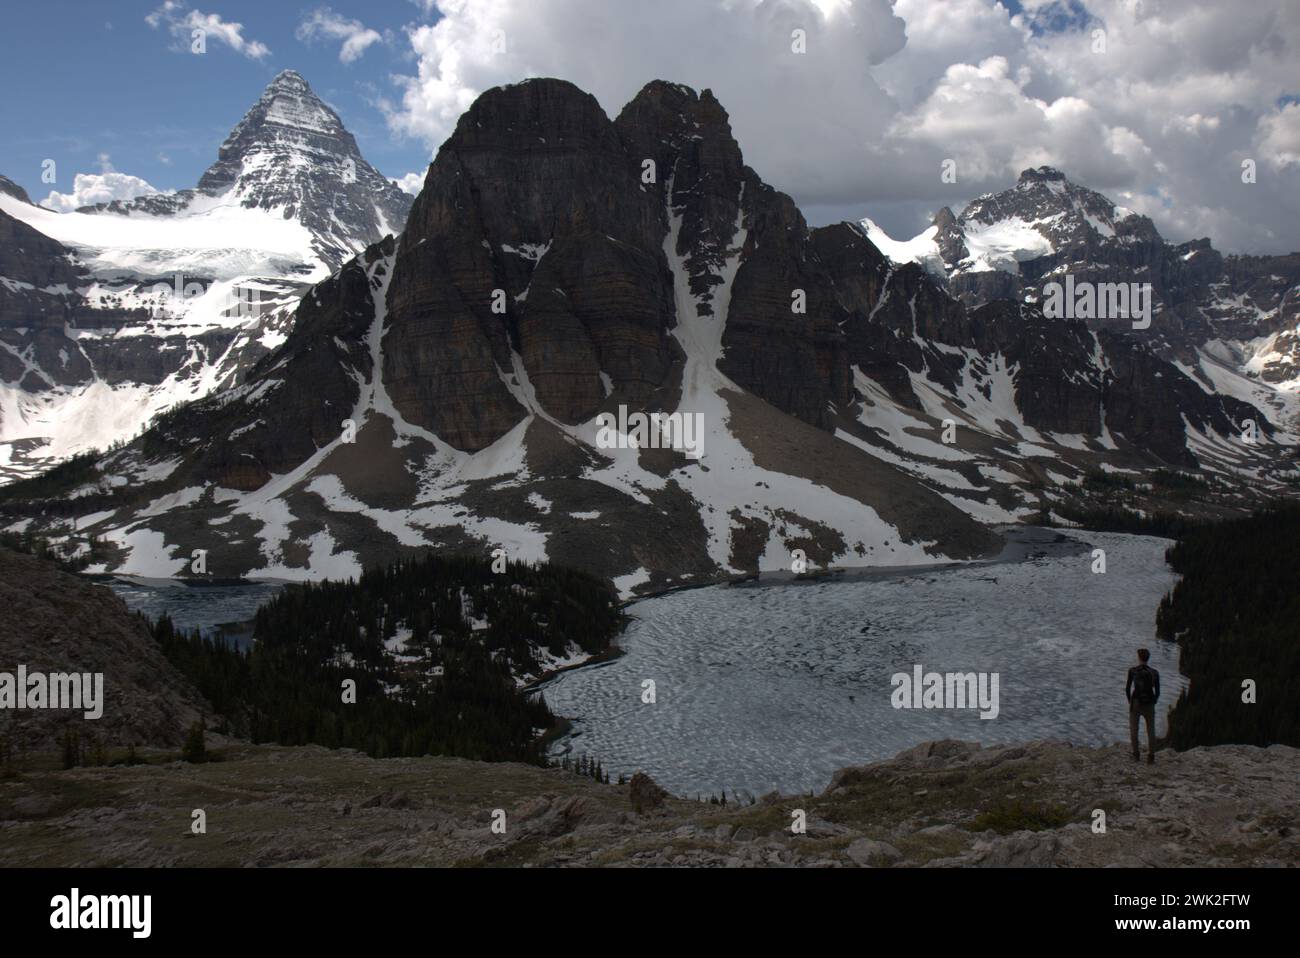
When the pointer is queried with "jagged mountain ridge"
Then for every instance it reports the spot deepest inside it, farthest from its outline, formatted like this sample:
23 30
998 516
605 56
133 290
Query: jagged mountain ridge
88 359
1210 311
404 411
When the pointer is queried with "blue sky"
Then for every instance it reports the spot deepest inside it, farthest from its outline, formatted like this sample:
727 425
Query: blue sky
92 78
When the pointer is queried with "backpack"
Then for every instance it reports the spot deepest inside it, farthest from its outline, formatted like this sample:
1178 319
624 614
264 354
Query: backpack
1144 686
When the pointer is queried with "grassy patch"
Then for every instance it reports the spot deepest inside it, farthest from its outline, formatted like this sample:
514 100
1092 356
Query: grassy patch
1018 815
40 797
924 848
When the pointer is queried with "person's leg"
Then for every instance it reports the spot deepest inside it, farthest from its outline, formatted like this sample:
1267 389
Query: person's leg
1149 713
1133 730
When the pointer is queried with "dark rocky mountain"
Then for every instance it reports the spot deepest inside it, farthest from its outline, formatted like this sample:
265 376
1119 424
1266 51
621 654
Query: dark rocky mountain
37 278
444 387
1068 380
585 272
40 298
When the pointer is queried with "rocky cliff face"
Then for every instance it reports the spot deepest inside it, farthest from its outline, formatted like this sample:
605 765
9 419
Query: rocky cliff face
533 202
326 359
37 278
904 330
539 195
41 283
778 292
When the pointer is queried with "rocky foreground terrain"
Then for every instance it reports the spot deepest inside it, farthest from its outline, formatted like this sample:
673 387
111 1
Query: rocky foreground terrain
939 804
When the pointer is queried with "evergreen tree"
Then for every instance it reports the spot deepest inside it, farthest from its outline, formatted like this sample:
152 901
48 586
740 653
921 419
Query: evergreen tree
195 749
1234 614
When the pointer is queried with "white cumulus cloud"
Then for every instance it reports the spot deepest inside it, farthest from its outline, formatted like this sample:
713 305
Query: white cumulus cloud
181 22
324 24
1160 114
779 101
1280 136
410 183
102 187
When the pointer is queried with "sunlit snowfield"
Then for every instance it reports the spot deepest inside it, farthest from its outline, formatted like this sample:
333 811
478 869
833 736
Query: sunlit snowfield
777 686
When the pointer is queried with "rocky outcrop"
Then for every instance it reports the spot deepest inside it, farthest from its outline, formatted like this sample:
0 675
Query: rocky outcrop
1067 379
38 280
781 341
38 298
11 188
55 622
301 395
949 238
645 795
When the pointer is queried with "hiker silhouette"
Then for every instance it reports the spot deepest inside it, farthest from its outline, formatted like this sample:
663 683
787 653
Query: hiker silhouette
1142 691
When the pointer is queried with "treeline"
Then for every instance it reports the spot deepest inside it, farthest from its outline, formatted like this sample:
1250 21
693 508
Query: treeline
1236 616
1101 502
67 555
454 690
522 610
58 479
1097 518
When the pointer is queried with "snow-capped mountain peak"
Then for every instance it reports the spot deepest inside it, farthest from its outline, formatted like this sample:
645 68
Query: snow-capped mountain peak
287 103
291 155
1012 244
1042 214
206 278
1045 201
291 152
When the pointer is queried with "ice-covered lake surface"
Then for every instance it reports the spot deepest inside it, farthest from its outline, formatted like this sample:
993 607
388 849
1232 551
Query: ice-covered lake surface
775 686
195 605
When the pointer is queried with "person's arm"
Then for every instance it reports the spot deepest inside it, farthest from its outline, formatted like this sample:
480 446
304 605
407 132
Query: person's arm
1156 677
1128 686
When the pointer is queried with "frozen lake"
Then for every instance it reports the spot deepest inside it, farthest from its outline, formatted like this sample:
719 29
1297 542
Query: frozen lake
195 605
775 686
